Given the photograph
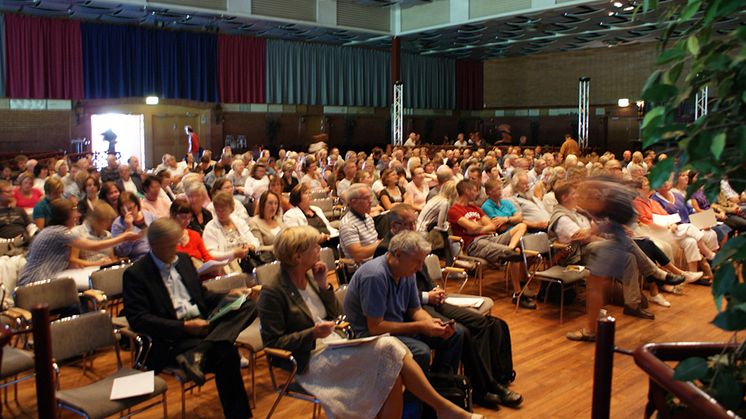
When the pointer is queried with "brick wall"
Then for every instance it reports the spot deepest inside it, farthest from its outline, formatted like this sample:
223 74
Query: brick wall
552 79
34 131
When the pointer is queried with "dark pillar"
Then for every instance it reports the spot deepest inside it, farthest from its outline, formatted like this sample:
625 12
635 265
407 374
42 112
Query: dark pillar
45 397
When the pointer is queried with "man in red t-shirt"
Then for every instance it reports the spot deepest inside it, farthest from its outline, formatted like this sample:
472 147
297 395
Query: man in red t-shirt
192 142
469 222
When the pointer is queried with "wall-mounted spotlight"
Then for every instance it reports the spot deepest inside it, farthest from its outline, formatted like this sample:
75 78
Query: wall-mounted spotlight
151 100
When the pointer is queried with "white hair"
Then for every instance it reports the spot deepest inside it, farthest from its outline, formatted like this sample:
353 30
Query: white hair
410 243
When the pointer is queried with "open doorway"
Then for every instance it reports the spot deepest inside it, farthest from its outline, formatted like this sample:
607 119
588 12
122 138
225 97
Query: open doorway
130 136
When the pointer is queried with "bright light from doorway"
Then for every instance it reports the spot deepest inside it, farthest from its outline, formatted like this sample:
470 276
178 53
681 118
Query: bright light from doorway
130 136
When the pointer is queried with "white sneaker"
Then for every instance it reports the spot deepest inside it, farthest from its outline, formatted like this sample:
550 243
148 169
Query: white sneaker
658 299
677 290
690 277
245 361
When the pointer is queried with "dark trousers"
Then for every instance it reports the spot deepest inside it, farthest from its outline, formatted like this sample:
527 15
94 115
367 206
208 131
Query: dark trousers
652 251
487 352
224 360
736 222
447 360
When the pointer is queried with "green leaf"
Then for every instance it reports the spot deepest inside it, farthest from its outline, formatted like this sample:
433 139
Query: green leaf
743 97
725 279
740 135
675 72
717 145
660 173
729 250
690 369
659 93
730 320
654 113
719 302
648 5
692 44
727 389
674 54
690 10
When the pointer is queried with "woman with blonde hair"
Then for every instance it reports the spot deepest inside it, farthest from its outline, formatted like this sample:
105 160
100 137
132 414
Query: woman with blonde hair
226 236
368 379
95 228
267 223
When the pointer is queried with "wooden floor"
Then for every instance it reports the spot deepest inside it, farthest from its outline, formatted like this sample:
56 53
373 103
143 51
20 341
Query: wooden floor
554 374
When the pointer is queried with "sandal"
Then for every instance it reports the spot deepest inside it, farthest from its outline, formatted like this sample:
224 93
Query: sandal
581 336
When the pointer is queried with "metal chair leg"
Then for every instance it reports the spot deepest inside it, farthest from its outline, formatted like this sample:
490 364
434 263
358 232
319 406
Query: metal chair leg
183 401
165 406
252 365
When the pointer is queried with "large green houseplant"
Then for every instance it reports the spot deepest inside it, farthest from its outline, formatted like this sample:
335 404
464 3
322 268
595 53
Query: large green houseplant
696 52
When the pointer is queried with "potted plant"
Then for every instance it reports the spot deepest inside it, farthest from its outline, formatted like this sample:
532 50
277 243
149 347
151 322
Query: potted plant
697 52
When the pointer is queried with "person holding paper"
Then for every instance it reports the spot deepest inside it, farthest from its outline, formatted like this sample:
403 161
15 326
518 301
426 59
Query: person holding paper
163 298
487 353
366 380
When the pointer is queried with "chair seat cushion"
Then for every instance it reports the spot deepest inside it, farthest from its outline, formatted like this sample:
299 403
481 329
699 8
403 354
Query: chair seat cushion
251 338
16 361
560 274
465 264
120 322
93 399
486 306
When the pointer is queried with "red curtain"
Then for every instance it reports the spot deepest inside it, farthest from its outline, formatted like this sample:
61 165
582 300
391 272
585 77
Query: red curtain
240 69
44 58
469 84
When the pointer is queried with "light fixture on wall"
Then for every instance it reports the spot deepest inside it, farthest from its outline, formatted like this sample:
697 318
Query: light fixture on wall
622 6
623 102
151 100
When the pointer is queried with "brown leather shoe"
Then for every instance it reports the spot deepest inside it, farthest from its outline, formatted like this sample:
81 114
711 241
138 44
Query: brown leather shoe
638 312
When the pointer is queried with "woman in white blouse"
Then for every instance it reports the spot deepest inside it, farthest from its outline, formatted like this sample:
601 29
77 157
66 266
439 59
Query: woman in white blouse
227 236
417 189
267 223
303 213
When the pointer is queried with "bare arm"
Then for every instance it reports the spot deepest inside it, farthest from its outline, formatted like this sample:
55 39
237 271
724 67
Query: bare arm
484 226
360 252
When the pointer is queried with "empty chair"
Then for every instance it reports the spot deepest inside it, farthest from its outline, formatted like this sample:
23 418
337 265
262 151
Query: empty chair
79 336
537 245
108 281
225 283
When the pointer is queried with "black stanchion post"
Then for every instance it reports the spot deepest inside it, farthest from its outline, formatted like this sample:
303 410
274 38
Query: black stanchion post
603 366
45 396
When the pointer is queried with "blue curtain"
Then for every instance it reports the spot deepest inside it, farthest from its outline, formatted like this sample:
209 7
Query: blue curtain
429 82
2 56
318 74
125 61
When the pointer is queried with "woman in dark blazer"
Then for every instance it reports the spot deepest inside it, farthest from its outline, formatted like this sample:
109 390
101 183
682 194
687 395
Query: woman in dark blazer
367 380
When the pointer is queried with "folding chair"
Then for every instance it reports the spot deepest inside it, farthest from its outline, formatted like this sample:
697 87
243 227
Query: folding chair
438 275
108 283
80 336
538 246
282 359
14 361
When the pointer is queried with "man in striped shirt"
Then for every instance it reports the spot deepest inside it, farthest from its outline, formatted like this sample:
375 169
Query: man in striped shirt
357 232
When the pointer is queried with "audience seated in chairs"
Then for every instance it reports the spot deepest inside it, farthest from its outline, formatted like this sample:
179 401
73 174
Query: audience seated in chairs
382 297
50 251
486 353
469 222
225 185
164 299
267 223
297 312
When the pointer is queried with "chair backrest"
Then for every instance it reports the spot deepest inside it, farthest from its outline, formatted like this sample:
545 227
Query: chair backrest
226 283
538 242
57 293
267 272
340 293
81 334
325 204
456 247
432 268
109 280
327 256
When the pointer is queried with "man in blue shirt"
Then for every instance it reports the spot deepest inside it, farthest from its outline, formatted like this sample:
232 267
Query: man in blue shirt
503 212
382 298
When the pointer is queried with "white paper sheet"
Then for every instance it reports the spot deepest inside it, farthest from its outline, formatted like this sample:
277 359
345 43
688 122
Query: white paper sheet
133 385
473 302
703 220
80 275
211 265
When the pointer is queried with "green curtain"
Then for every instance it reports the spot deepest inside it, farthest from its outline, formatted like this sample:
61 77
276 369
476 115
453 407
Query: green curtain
318 74
429 82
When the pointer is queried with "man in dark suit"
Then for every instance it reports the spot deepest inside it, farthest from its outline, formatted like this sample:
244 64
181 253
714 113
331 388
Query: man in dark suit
164 299
486 354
